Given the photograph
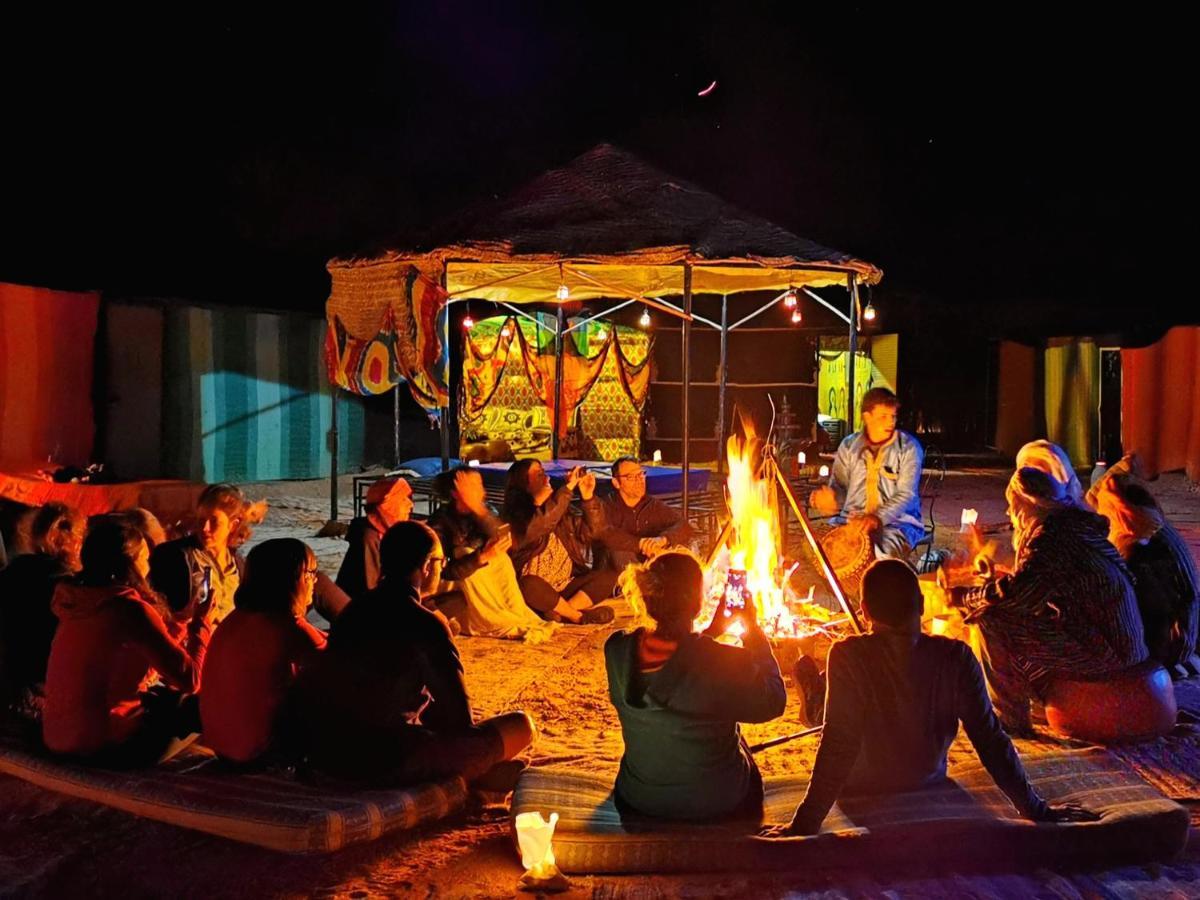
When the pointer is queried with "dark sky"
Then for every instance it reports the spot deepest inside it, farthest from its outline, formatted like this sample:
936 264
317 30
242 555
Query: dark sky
219 153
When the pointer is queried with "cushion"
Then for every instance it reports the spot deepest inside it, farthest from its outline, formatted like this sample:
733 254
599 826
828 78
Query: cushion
266 809
966 821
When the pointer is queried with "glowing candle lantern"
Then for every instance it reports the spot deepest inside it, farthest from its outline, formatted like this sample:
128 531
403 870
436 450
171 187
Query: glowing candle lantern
534 835
801 458
658 456
968 520
823 471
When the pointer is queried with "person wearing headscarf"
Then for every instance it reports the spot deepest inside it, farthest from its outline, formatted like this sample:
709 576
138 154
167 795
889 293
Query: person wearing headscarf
1067 610
1053 460
1164 573
389 501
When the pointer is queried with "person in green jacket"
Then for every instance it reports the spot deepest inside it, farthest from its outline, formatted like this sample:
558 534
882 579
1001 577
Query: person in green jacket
680 697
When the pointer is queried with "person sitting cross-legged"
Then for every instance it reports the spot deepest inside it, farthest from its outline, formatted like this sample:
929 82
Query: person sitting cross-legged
894 701
385 704
636 525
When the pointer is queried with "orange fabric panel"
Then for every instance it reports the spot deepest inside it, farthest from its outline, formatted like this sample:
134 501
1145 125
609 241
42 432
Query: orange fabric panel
1015 424
170 501
1160 402
46 350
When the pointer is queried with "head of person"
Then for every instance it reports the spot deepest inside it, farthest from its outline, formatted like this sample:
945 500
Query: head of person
389 500
219 510
145 522
879 409
410 553
1033 496
630 480
891 596
525 489
668 589
57 530
279 578
1132 512
1054 461
115 553
252 514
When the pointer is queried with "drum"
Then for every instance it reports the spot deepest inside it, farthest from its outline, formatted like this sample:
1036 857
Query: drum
850 552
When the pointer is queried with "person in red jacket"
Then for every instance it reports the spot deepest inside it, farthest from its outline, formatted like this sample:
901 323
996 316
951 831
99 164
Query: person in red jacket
257 652
110 647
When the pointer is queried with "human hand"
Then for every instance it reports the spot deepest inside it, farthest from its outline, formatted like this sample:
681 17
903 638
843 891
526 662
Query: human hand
587 485
469 487
652 545
717 626
1066 812
574 476
496 547
824 501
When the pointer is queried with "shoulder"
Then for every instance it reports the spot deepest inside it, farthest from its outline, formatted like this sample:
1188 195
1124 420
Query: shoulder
909 442
848 442
620 644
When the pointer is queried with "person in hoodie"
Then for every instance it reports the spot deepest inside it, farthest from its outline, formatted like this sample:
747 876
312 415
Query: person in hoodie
680 697
110 647
256 653
27 624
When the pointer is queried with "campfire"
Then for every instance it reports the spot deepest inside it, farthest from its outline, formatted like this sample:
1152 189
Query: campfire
750 554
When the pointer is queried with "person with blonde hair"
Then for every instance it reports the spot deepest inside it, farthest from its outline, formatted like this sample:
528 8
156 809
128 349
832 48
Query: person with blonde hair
680 696
1066 612
1165 579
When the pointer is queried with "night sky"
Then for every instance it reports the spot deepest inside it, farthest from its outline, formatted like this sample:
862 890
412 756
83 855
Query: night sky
215 153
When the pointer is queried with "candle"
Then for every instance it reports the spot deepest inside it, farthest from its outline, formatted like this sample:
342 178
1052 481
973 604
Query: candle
968 520
658 456
823 471
801 459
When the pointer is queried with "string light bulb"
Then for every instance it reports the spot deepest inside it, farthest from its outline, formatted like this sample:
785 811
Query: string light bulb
797 317
602 335
505 332
790 300
563 293
468 322
869 313
644 321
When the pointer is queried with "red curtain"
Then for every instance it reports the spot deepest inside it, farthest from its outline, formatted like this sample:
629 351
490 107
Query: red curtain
1160 402
46 349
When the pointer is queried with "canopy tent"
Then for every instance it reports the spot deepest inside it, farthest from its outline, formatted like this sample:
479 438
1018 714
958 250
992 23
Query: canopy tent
605 226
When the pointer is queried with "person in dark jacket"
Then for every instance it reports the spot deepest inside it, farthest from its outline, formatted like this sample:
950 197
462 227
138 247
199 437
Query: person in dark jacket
27 623
680 697
636 525
255 655
1164 573
386 702
552 545
1067 611
110 644
389 501
914 689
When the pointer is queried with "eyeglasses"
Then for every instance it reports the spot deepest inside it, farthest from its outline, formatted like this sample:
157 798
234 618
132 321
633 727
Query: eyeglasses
633 476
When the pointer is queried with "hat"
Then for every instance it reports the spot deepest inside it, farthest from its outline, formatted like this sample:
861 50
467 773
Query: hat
382 489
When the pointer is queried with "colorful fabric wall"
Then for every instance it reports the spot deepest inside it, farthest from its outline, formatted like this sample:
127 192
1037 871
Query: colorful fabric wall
245 398
1160 402
47 343
874 366
1072 390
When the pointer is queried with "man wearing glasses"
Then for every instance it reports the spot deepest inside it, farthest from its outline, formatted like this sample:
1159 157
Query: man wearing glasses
637 525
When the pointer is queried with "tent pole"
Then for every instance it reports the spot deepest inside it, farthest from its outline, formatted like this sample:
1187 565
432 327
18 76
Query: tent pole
852 287
333 452
722 381
445 423
686 339
396 426
558 377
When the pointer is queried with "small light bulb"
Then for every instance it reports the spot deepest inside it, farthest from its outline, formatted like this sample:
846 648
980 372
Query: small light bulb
790 300
801 458
505 331
602 335
658 456
797 318
468 322
869 313
823 471
644 321
564 293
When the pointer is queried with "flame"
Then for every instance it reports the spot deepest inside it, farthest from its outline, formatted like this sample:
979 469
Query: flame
755 545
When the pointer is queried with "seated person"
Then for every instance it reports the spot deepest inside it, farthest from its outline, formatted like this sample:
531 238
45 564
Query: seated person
200 570
254 656
1164 573
680 697
385 704
875 479
551 544
111 641
488 600
27 624
389 501
636 525
894 702
1054 461
145 522
1067 611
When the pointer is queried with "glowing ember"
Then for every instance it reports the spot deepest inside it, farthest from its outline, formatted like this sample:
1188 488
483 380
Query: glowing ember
755 546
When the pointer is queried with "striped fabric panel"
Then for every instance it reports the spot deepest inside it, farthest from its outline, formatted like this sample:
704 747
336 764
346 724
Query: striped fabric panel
263 809
967 821
246 399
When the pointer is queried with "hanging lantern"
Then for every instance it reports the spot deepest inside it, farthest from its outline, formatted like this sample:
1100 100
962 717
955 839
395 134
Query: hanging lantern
644 321
602 335
869 313
797 318
468 322
790 300
564 293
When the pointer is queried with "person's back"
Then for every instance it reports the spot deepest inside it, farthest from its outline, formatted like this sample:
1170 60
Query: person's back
27 624
250 665
1168 594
